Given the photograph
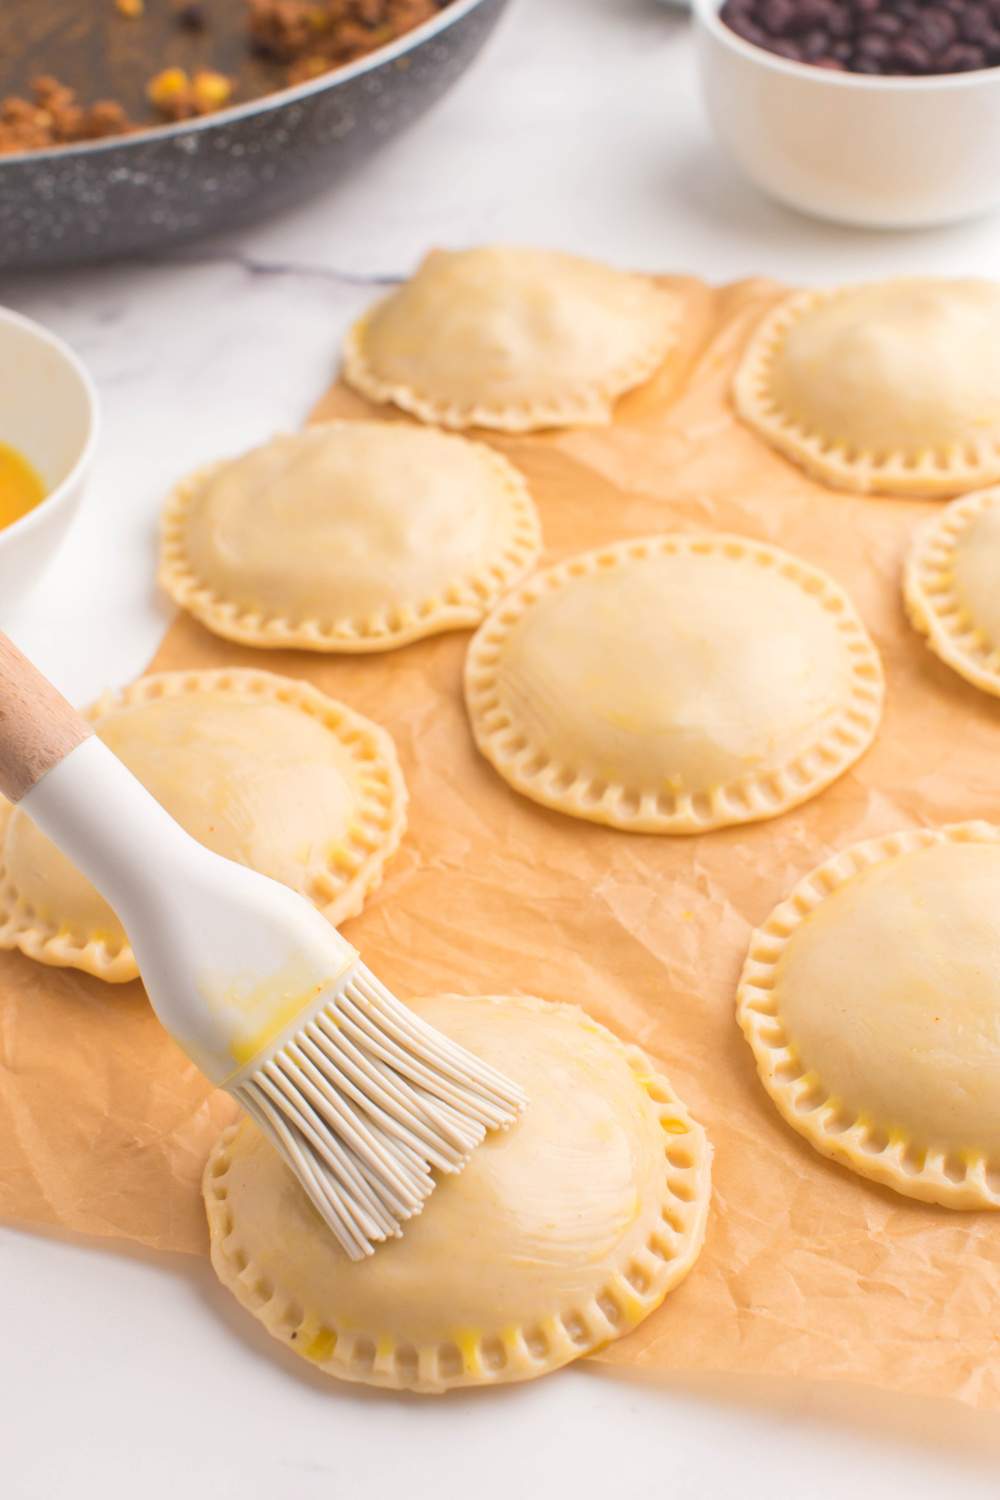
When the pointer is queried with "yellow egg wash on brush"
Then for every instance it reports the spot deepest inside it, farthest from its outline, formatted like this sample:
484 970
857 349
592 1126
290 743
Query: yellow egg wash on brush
21 487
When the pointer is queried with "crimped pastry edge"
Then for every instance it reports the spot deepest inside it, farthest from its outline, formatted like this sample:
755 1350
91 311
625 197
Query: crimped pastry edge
524 766
933 606
633 1290
872 1148
930 476
338 889
461 605
590 404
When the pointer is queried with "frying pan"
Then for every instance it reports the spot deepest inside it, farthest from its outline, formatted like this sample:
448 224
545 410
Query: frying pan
143 192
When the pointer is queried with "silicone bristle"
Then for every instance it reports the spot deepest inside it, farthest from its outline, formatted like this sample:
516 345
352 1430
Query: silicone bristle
366 1101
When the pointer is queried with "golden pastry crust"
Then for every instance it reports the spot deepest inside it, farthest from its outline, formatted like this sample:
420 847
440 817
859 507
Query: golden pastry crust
511 338
892 387
674 684
559 1236
350 536
263 769
950 586
871 1000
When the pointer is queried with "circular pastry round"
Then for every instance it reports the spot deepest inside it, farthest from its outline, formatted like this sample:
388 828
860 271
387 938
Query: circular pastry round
264 770
950 587
559 1235
674 684
891 387
871 999
511 338
350 536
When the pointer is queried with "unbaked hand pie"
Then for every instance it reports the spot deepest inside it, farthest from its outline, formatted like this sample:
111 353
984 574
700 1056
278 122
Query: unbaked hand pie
674 684
871 999
558 1236
952 587
350 536
511 338
891 387
267 771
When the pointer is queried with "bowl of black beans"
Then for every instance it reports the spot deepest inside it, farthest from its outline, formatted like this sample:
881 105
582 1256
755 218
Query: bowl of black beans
882 113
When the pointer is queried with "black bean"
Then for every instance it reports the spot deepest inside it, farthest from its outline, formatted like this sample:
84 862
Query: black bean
815 44
912 55
873 36
839 22
936 28
745 28
810 13
975 23
191 16
778 16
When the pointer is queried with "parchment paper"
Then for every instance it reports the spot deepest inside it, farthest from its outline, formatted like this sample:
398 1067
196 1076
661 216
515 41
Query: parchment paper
807 1271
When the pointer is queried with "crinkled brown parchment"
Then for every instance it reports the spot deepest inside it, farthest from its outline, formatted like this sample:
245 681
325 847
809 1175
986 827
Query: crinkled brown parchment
808 1271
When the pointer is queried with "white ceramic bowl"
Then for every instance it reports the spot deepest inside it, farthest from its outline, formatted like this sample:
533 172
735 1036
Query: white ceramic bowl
887 153
49 413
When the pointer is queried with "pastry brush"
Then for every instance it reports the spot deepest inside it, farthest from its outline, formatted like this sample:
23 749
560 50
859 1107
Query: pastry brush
364 1100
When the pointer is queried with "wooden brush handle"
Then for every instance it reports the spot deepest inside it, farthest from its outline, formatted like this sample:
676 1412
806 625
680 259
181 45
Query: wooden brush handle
38 728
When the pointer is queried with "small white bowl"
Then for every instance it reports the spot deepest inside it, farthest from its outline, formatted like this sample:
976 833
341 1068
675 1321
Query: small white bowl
49 413
885 153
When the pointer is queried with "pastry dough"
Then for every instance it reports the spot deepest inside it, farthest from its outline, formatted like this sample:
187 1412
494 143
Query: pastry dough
871 999
674 684
559 1235
350 536
892 387
952 587
511 338
264 770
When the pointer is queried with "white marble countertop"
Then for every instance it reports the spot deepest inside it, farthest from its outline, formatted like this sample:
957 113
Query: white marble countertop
127 1374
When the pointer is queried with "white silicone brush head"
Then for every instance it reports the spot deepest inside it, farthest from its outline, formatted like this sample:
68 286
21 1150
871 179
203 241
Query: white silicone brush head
365 1101
362 1098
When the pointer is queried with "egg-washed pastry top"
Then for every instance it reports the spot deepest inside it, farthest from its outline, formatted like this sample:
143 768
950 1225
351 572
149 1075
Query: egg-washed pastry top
558 1236
264 770
674 684
871 999
952 587
511 338
891 387
350 536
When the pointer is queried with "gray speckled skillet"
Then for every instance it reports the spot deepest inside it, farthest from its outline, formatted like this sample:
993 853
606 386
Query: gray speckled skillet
170 183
